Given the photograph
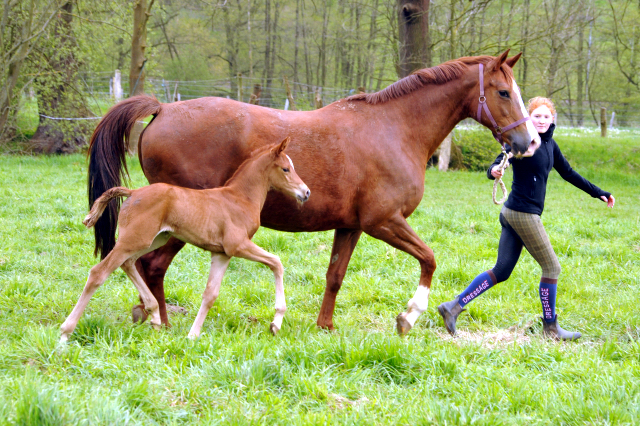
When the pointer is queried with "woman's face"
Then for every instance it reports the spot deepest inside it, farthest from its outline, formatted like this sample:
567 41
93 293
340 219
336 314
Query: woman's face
542 118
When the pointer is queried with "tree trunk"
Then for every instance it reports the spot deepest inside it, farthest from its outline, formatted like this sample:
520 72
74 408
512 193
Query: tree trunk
141 13
580 73
413 29
57 96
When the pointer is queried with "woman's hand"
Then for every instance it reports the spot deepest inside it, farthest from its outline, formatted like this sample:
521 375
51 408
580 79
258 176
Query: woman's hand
610 202
497 174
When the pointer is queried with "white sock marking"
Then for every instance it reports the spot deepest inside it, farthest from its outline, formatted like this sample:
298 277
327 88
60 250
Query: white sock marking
417 305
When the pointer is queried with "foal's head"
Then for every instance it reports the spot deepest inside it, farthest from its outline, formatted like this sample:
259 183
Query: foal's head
282 174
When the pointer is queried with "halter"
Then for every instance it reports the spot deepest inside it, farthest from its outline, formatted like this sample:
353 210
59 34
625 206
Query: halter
482 105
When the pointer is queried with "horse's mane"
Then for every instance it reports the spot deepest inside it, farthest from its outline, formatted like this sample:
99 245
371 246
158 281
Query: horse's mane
439 74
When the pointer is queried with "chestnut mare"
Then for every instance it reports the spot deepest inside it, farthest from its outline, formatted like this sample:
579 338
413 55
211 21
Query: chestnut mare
364 157
220 220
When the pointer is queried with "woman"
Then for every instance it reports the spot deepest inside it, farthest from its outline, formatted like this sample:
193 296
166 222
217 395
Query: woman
521 224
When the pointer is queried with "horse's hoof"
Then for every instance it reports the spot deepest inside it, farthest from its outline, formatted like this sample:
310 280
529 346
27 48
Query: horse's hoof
192 336
273 329
402 325
328 327
138 314
64 339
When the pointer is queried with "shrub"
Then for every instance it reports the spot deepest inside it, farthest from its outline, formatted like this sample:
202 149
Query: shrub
478 147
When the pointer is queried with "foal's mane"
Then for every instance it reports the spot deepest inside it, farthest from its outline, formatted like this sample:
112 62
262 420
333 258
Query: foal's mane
252 156
439 74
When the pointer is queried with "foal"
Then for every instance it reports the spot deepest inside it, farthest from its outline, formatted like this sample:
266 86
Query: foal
221 220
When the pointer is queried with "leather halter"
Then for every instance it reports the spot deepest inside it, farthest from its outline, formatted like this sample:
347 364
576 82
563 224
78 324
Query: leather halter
482 105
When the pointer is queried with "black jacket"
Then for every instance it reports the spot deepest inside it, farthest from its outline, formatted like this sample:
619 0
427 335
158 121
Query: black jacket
530 175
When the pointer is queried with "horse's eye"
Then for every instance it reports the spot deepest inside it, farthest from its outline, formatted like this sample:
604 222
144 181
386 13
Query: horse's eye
503 93
286 170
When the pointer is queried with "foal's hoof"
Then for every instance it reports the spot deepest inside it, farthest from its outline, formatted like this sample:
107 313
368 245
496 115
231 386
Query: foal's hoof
139 314
402 325
273 328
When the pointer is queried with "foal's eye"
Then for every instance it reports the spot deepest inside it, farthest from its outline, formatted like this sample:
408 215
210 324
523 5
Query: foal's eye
503 93
286 170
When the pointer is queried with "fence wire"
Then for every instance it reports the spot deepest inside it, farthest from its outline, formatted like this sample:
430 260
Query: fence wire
274 95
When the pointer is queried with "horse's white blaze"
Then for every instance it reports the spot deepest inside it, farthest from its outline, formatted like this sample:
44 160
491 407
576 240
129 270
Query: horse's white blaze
292 168
417 305
533 133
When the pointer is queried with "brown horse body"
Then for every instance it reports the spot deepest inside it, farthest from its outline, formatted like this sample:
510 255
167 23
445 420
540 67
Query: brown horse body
220 220
363 157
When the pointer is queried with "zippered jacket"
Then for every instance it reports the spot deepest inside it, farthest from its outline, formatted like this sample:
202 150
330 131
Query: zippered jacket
530 176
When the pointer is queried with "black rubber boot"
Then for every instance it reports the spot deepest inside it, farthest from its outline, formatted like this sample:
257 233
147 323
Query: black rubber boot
554 331
450 311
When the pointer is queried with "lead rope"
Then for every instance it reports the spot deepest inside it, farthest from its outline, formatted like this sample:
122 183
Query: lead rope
501 167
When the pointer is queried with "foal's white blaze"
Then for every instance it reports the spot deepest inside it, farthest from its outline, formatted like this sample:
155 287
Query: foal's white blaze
292 168
533 133
417 305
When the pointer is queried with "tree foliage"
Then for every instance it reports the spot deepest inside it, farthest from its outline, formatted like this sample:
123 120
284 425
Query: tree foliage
582 53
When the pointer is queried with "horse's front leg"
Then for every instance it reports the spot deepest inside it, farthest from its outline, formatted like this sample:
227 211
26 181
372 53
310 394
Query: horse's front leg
153 267
397 232
249 250
344 242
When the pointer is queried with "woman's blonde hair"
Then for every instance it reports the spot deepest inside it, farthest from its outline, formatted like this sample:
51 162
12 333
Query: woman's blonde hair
539 101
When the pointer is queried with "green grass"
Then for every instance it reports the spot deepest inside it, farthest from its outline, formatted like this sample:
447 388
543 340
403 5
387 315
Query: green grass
114 372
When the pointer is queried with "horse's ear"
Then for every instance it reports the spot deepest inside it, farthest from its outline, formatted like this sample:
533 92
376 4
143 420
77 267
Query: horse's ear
496 63
512 61
277 150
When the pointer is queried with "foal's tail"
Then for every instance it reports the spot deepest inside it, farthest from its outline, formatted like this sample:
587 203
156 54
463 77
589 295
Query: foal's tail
101 204
108 164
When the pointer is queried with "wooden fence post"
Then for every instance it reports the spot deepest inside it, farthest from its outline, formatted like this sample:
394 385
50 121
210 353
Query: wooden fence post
318 99
603 122
292 103
117 86
240 94
445 153
255 96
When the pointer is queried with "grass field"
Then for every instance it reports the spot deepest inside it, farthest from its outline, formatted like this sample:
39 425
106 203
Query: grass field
499 371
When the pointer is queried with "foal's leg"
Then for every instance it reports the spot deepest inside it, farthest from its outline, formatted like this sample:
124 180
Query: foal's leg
153 267
344 242
97 277
147 298
397 232
219 263
249 250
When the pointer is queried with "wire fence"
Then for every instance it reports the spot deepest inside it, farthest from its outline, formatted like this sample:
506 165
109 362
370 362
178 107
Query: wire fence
274 94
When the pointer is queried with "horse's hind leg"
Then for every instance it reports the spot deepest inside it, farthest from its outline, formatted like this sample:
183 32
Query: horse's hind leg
249 250
146 296
153 267
219 263
397 232
344 242
97 277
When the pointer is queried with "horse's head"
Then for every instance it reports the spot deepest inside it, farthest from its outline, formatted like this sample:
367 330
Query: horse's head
283 176
500 106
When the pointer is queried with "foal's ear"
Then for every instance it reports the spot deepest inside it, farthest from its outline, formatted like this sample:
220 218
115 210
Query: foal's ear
512 61
281 147
495 64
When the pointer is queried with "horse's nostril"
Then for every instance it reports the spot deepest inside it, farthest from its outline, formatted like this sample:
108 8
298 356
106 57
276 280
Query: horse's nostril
308 193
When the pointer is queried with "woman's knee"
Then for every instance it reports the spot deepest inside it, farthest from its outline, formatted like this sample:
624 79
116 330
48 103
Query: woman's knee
552 270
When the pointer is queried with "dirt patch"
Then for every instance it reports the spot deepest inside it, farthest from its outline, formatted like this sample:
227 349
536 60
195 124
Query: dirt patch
340 402
490 340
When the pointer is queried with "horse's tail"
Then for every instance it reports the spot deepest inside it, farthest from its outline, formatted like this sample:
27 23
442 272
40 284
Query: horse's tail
108 164
101 204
